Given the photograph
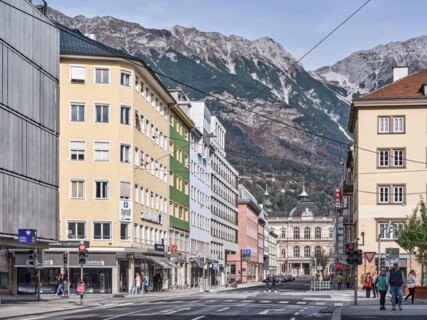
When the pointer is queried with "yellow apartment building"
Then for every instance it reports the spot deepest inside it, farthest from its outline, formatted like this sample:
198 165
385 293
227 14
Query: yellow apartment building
390 136
114 163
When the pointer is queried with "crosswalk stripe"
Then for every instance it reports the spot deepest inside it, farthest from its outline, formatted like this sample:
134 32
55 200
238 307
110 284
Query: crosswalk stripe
265 301
302 302
338 304
320 303
283 301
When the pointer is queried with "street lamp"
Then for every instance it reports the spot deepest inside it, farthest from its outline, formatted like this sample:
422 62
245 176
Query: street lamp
387 229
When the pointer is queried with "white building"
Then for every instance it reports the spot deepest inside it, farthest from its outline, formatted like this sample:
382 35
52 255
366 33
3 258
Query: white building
225 197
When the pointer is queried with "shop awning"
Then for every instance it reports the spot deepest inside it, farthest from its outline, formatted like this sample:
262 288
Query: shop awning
163 262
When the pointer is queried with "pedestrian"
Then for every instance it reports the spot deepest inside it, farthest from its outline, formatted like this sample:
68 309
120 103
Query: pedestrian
373 285
395 280
273 285
339 281
160 277
137 283
146 284
367 284
381 284
411 286
60 284
267 283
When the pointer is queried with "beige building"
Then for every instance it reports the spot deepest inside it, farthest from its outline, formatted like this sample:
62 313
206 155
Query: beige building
304 238
389 127
272 253
113 164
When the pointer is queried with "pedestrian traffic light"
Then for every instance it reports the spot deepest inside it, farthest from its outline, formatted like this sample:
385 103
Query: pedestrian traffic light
350 253
65 258
358 257
32 257
82 254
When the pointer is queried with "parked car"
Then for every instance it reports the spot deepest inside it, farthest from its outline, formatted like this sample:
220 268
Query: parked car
279 279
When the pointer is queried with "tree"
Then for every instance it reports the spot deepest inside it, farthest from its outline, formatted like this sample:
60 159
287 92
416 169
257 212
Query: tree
407 234
322 258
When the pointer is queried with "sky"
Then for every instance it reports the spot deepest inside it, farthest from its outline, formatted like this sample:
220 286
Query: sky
296 24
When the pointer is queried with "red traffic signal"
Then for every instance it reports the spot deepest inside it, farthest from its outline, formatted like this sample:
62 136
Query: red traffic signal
82 254
82 247
350 246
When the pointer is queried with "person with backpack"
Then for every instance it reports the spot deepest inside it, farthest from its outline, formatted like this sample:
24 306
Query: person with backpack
60 285
395 281
367 283
146 284
381 285
137 284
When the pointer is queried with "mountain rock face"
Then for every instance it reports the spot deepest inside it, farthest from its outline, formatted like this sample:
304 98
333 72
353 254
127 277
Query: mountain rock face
367 70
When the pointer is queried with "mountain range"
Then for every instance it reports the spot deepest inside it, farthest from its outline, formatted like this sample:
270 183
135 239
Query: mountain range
263 82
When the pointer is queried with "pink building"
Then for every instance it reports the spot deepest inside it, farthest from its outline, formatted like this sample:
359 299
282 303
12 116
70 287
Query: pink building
251 237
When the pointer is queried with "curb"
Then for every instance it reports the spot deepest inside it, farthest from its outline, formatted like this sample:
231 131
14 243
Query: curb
42 312
336 315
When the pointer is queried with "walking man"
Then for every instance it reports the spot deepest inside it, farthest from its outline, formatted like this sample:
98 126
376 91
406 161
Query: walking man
373 285
395 280
339 281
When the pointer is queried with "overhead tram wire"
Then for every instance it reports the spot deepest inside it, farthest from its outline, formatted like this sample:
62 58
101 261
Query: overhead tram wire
112 51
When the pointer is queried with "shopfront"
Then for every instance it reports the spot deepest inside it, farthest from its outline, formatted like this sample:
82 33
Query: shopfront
196 272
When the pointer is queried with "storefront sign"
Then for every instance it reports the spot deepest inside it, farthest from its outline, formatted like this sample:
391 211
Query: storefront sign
339 266
159 247
337 197
28 236
152 217
125 211
68 244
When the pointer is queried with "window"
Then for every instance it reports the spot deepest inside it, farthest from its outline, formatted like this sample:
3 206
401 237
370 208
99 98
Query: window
102 230
296 252
157 104
77 150
102 75
125 153
384 158
76 230
125 78
142 159
136 82
137 122
142 88
101 113
171 120
78 74
318 233
398 125
4 280
102 151
147 127
125 231
283 233
136 193
78 112
296 233
398 156
384 124
101 189
152 132
147 162
125 115
307 252
135 233
186 187
392 232
186 160
317 251
77 188
284 253
147 93
398 194
136 157
171 149
142 195
171 178
152 99
307 233
124 190
384 194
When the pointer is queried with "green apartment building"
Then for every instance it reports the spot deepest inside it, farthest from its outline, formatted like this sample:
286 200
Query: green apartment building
179 189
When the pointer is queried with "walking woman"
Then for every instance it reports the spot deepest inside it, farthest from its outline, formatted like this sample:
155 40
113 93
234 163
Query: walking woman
367 284
373 285
411 286
381 283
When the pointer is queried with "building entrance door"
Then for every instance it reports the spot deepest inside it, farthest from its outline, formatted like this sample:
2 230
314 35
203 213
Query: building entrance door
123 275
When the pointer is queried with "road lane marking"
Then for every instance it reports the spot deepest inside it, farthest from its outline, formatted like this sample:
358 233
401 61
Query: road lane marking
248 301
265 301
338 304
223 309
129 313
292 318
283 301
296 313
198 318
320 303
264 312
175 311
302 302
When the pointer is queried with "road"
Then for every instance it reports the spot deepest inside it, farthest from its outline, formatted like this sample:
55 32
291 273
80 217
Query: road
290 302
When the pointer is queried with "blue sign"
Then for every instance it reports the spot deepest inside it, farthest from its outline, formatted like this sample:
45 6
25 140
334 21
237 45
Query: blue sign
125 205
310 266
160 218
28 236
246 251
215 266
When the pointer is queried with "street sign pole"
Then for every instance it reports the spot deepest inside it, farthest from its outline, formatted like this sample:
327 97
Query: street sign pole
38 274
355 275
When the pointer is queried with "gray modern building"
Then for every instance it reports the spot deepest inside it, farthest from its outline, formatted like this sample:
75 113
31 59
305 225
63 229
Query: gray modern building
29 129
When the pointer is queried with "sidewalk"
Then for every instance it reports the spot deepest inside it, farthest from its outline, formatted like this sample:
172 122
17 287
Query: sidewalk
22 306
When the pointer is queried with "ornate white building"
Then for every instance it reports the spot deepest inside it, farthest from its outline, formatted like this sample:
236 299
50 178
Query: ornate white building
304 233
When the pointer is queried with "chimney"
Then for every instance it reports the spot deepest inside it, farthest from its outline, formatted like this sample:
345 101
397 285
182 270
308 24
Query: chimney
399 72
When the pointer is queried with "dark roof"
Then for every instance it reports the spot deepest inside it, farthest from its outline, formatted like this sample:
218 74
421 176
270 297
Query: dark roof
406 87
277 214
305 208
74 42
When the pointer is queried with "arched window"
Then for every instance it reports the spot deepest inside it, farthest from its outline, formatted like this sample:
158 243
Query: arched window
318 233
296 252
284 253
283 233
307 252
307 233
296 233
317 250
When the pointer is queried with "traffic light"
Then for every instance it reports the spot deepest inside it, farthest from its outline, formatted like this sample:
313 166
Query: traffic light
82 254
358 257
65 258
32 257
350 253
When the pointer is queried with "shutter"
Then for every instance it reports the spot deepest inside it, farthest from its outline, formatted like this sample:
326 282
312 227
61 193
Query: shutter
124 189
77 145
78 73
102 146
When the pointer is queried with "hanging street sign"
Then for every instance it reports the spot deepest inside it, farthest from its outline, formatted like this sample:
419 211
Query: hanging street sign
370 255
28 236
337 197
391 256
